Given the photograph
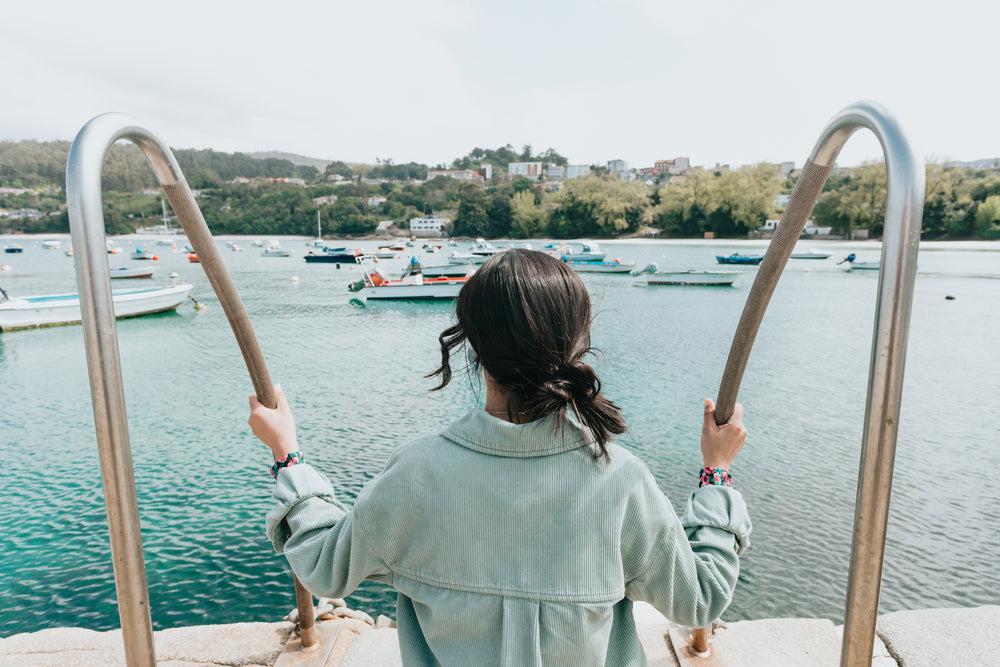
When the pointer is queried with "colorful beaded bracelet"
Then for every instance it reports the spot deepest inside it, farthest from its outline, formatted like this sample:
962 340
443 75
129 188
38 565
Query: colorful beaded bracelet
289 459
715 477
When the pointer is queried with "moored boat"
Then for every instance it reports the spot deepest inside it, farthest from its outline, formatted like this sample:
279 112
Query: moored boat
274 249
609 266
416 287
193 258
143 253
687 277
51 244
333 256
13 248
811 254
130 272
589 252
449 270
48 310
737 258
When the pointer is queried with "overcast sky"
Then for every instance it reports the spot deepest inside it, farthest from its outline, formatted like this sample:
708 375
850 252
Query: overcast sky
719 81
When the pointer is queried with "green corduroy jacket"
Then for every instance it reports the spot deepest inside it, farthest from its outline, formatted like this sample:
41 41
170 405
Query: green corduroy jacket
510 544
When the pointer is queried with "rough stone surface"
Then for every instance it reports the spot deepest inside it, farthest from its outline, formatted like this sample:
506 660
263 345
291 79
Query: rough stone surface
374 647
652 628
942 636
779 642
234 644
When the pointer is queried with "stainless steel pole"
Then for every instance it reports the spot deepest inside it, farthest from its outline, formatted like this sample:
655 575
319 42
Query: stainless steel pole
901 237
83 194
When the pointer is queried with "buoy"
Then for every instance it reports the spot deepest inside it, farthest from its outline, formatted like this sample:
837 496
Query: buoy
6 267
173 274
155 257
806 270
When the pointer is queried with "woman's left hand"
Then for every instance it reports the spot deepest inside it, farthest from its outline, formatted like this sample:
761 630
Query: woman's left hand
275 427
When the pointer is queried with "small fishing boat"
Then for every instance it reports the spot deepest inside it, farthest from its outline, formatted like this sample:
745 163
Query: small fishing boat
130 272
274 249
484 250
589 252
811 254
609 266
236 248
51 244
457 257
415 287
41 311
13 248
385 253
333 256
113 249
169 243
737 258
193 258
853 264
687 277
143 253
449 271
257 243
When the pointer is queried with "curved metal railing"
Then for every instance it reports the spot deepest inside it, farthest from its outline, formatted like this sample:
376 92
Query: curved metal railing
86 217
901 237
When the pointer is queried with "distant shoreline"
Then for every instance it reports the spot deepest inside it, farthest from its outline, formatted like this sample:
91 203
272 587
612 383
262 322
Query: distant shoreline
748 243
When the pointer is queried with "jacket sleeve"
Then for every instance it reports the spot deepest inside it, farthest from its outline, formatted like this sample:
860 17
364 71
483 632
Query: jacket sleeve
687 568
324 545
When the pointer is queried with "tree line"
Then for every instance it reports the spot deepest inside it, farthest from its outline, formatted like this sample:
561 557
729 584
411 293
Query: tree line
959 202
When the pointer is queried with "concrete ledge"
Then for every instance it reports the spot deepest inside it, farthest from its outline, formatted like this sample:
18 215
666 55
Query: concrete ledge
236 644
942 636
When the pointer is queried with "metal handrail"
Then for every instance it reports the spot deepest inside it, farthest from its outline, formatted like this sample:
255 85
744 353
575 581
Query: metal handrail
86 217
901 237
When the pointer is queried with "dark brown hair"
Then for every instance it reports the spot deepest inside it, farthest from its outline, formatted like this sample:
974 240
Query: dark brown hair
527 317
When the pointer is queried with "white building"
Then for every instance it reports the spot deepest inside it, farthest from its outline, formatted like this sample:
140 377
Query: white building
531 170
617 166
556 172
374 201
577 170
324 200
430 225
457 174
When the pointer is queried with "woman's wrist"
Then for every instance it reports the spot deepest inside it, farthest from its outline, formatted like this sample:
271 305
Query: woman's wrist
714 476
286 461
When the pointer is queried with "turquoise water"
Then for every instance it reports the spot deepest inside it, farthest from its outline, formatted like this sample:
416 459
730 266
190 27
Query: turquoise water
354 375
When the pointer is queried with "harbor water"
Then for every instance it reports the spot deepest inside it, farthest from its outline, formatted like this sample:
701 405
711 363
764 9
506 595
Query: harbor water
354 374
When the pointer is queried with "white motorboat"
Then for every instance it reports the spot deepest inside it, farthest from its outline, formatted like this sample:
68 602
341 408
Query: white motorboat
484 250
610 266
385 253
257 243
113 248
51 244
48 310
274 249
130 272
457 257
853 264
415 287
143 253
690 277
589 252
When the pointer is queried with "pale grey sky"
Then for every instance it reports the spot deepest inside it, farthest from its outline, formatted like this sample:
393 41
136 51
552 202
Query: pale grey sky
722 81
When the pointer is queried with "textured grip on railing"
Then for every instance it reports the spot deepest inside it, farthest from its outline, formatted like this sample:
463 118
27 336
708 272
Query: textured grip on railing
793 221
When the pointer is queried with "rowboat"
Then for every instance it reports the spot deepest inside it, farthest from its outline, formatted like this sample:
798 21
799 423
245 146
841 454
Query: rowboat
130 272
737 258
690 277
611 266
193 258
13 248
48 310
812 254
416 287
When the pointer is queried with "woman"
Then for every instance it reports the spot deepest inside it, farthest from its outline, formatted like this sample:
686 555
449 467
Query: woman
521 534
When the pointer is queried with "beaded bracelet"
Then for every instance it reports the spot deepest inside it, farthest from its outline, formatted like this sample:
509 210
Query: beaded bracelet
715 477
285 461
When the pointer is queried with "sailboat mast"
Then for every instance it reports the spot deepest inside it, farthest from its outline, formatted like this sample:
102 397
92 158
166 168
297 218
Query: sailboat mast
319 231
166 219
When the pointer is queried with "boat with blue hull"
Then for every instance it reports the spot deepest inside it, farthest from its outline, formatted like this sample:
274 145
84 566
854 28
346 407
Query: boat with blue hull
737 258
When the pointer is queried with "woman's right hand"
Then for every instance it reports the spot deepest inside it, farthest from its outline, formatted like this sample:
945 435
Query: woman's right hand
721 444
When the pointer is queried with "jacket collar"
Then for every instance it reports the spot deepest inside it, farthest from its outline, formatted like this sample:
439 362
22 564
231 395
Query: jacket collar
482 432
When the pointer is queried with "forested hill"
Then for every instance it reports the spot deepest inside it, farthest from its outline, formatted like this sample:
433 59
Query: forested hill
35 164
